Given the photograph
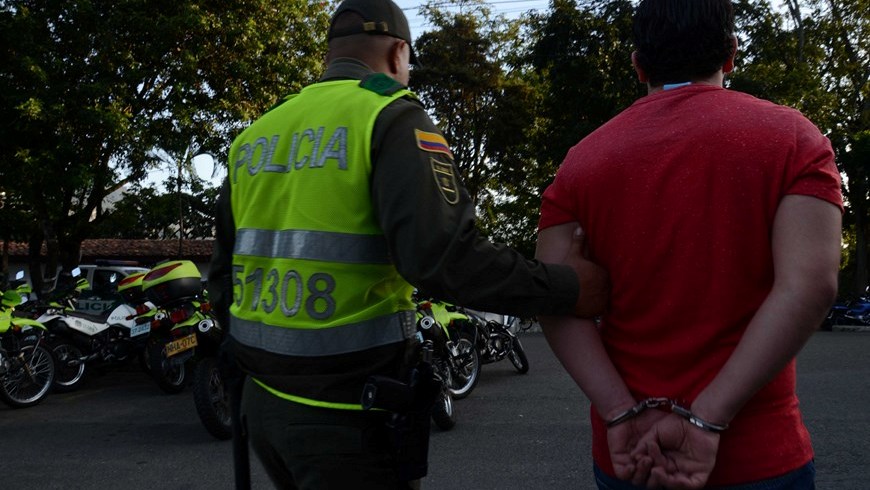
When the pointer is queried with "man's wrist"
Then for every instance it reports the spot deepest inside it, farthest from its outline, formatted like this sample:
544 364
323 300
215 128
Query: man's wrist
617 416
715 411
618 410
697 421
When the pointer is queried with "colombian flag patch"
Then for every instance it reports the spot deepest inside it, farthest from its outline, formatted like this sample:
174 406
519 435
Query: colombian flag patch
432 142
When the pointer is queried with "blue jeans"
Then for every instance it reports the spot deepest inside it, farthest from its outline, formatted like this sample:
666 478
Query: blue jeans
803 478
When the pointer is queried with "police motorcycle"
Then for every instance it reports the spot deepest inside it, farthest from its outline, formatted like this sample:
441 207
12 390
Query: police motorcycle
443 355
494 340
462 359
26 365
185 335
79 340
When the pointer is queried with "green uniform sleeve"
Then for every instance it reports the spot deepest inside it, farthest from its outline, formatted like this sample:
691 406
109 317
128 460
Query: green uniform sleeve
429 221
220 285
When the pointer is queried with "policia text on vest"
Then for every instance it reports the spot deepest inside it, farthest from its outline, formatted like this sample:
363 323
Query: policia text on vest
259 156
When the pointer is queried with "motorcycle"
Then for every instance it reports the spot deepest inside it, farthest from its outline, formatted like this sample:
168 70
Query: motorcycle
436 336
78 340
462 359
493 340
856 312
185 333
26 365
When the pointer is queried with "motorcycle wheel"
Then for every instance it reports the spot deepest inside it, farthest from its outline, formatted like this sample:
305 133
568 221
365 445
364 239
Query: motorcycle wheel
465 369
170 378
144 363
517 355
442 413
212 399
30 382
67 377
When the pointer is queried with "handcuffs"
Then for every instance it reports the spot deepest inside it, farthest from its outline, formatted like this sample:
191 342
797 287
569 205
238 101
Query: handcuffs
674 407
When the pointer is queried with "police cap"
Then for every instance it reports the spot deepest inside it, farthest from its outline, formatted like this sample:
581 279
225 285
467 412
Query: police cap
381 17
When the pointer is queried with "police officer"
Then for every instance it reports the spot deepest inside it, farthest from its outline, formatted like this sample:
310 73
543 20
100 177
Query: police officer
338 202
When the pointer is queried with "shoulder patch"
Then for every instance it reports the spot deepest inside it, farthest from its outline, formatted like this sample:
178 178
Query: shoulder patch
381 83
445 179
432 142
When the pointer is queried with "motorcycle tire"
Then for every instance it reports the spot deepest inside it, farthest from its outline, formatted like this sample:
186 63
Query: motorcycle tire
67 377
465 369
170 378
212 399
442 412
517 355
31 382
144 363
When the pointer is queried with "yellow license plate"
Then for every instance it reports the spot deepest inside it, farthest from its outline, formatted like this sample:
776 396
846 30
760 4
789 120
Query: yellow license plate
181 345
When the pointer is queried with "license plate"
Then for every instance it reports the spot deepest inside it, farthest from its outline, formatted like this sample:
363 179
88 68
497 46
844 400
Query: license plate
137 330
181 345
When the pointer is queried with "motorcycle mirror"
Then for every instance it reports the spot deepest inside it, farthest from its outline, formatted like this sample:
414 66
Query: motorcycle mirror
19 275
76 272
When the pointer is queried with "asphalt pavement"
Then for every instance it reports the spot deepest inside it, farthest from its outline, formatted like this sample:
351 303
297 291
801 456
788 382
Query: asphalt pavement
514 431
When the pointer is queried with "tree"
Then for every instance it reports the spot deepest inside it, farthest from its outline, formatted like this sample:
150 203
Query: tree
811 57
472 81
576 74
144 213
461 82
513 96
90 90
845 28
583 54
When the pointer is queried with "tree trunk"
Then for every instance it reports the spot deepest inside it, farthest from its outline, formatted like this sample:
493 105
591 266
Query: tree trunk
34 263
5 268
859 207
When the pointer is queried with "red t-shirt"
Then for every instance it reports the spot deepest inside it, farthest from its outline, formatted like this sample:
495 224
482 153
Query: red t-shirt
677 195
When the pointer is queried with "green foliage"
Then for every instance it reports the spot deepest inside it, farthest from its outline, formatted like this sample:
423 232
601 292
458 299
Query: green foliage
513 106
461 82
144 213
95 93
512 97
583 53
471 82
578 61
813 56
90 90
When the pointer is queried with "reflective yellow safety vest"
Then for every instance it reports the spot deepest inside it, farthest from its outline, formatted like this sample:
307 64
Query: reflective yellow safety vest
312 275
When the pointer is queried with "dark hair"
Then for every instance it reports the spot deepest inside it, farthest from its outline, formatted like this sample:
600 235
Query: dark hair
681 40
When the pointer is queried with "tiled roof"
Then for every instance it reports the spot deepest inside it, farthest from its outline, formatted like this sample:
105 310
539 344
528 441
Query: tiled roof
139 250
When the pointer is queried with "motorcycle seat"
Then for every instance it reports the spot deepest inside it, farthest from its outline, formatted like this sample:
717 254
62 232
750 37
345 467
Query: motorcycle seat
101 318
